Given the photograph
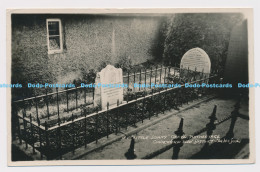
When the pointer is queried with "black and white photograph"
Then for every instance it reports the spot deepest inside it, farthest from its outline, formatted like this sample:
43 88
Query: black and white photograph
132 86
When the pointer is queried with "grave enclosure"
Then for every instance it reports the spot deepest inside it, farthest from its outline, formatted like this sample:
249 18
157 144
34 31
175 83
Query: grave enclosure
117 111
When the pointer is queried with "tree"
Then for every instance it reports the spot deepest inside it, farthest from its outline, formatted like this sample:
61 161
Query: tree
209 31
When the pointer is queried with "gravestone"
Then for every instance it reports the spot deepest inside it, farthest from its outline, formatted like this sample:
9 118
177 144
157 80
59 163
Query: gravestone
198 59
110 90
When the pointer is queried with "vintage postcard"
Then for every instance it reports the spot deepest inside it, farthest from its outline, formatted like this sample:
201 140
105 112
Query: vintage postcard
130 86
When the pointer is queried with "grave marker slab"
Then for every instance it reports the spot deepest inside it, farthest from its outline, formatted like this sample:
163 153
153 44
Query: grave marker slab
110 91
196 58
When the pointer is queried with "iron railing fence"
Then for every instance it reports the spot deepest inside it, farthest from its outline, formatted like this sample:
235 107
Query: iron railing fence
56 134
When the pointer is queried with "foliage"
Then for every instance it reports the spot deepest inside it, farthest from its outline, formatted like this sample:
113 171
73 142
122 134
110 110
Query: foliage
157 47
88 77
125 63
210 32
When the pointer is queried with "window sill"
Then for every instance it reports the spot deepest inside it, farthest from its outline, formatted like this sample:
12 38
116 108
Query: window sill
55 52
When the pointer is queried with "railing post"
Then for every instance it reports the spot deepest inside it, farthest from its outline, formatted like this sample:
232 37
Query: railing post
188 97
151 72
32 134
47 140
202 80
60 138
47 104
117 113
181 73
73 133
169 72
85 96
76 90
134 82
107 119
96 127
151 109
145 78
93 94
202 74
165 71
67 97
174 99
15 115
164 102
24 108
128 77
135 108
36 105
194 94
140 79
158 105
40 137
126 116
155 74
25 130
188 74
143 107
85 128
161 74
58 110
195 73
19 130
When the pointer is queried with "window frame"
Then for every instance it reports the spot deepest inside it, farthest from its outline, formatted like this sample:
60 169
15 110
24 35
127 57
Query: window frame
60 35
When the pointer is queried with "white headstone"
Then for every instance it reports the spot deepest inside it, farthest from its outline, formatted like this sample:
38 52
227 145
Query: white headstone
111 90
196 58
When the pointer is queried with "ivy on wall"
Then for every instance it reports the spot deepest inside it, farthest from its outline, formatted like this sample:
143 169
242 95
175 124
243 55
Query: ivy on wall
88 46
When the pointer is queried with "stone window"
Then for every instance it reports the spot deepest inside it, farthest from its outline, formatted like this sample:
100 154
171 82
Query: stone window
54 36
